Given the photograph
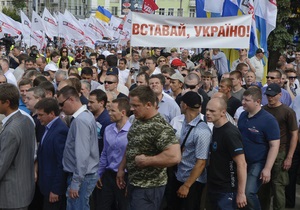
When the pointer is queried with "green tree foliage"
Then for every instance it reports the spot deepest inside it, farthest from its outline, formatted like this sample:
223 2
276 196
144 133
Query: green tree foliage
12 12
19 4
280 37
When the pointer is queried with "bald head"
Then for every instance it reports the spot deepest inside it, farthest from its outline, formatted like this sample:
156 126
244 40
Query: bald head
220 95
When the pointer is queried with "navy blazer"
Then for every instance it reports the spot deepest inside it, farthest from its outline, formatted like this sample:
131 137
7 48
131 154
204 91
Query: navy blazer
51 177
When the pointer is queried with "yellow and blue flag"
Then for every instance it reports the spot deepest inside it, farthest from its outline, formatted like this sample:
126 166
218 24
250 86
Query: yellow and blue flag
103 14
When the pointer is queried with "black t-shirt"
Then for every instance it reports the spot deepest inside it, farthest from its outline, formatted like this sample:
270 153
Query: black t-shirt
222 172
232 105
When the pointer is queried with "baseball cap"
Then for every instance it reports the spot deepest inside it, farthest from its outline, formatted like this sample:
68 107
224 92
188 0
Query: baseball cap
177 62
112 71
51 67
177 76
273 89
260 50
192 99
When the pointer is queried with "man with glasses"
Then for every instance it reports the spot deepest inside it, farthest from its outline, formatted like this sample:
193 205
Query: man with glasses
192 82
151 63
257 63
286 119
81 154
292 78
111 82
274 76
167 72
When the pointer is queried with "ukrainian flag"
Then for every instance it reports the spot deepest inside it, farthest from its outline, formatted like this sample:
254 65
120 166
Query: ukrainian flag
103 14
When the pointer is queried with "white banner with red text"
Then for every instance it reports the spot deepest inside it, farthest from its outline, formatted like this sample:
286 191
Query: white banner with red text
166 31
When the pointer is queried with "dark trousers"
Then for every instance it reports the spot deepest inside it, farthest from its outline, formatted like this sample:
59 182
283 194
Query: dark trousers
290 189
111 196
59 205
191 202
37 202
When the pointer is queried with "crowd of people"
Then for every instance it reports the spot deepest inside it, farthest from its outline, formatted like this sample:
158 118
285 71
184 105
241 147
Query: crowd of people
139 128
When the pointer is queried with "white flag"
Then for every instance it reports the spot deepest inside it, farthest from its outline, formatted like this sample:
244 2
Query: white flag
69 25
36 22
9 26
267 9
50 24
215 6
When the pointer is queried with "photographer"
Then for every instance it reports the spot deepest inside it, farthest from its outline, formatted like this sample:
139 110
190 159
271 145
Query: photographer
13 57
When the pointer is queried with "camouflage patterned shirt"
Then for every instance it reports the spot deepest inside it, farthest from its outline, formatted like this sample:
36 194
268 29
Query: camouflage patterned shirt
149 137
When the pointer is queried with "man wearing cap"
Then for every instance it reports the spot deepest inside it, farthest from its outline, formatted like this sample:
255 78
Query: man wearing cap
177 64
191 173
112 80
286 118
257 63
176 84
274 76
185 58
52 65
260 133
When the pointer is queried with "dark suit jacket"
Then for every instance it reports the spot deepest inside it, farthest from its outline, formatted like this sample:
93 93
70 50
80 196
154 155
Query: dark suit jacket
51 177
17 140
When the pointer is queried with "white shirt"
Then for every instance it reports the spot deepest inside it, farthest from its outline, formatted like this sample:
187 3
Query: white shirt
259 67
123 76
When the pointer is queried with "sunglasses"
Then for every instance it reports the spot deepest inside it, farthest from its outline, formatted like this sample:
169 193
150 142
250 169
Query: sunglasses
162 61
293 77
184 75
186 86
64 51
63 103
271 77
109 82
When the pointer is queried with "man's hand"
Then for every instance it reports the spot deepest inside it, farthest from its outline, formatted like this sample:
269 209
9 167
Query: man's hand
141 160
120 179
241 200
265 175
53 197
287 163
99 184
183 191
73 194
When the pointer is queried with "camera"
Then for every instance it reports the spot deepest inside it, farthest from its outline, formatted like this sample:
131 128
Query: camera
132 70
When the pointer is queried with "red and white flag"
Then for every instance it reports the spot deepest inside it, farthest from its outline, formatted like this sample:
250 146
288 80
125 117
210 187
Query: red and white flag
50 24
149 6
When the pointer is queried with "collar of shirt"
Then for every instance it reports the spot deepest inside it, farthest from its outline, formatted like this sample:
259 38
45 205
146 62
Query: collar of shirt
79 111
194 121
124 128
51 123
8 116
